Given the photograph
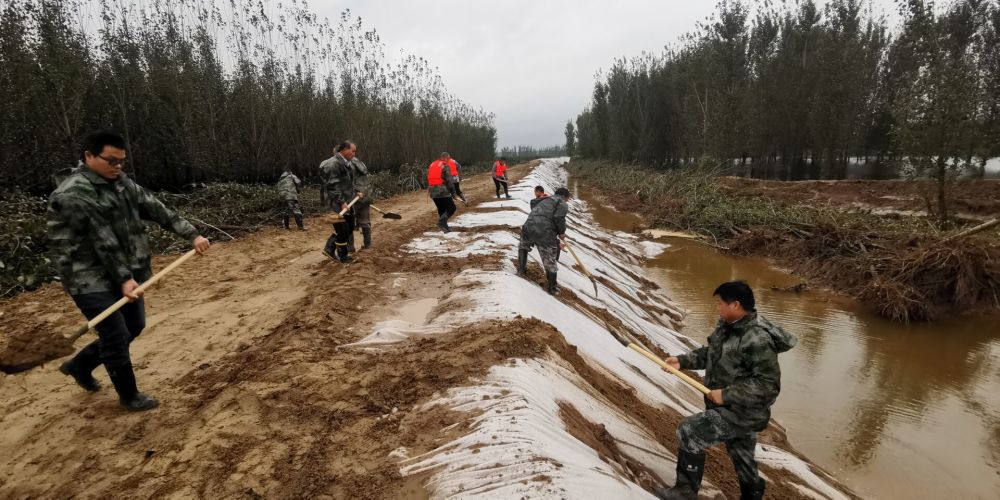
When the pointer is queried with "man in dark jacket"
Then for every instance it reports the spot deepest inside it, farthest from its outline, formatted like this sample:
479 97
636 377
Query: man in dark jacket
95 225
545 227
339 174
742 371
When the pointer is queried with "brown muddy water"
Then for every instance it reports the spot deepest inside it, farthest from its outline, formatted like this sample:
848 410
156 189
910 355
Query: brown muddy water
893 411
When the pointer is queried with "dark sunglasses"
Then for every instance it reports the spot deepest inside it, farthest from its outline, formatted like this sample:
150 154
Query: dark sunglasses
114 162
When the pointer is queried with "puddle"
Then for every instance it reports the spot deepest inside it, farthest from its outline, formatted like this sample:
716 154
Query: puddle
415 311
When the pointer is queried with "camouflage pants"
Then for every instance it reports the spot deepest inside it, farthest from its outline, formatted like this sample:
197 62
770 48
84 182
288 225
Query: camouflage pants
549 254
362 216
708 428
292 208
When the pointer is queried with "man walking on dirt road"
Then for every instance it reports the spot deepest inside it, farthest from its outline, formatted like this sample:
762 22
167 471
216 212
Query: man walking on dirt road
95 225
545 227
500 176
441 188
339 175
742 371
289 186
363 208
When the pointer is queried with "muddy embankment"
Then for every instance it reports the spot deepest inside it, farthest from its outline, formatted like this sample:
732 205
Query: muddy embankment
866 239
426 368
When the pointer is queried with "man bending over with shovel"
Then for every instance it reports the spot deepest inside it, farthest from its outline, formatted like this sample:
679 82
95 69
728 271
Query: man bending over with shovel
95 224
741 369
545 227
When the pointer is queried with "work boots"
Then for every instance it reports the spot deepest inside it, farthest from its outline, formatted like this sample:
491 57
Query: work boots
366 233
343 255
690 467
284 219
443 223
128 394
753 490
551 285
522 262
298 222
82 377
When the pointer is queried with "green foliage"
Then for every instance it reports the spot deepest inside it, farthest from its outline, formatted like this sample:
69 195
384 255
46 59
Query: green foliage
795 91
215 91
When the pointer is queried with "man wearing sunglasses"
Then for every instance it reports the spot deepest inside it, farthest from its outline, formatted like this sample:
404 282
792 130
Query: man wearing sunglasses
96 227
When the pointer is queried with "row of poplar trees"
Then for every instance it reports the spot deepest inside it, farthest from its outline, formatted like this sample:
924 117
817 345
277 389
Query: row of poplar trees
796 91
215 90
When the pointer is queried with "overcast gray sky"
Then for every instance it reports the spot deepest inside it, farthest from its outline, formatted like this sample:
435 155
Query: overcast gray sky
532 63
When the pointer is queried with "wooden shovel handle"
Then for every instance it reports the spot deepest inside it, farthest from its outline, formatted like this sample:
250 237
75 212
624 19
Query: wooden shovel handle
124 300
349 205
683 376
578 261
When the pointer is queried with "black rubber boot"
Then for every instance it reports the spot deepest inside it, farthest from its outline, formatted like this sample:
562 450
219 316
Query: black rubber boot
298 222
82 378
350 243
522 262
284 218
128 394
552 286
343 255
443 223
690 467
366 234
752 491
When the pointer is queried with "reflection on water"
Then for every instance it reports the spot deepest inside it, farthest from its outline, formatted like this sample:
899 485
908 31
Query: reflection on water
894 411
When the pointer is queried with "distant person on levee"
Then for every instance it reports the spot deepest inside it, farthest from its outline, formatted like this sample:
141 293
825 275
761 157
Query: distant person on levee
95 225
500 176
741 369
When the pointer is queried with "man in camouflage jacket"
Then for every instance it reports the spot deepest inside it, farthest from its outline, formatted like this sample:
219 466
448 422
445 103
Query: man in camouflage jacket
545 227
742 371
95 225
288 188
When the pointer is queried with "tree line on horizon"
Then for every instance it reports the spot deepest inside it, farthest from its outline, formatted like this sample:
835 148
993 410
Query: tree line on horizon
794 91
213 90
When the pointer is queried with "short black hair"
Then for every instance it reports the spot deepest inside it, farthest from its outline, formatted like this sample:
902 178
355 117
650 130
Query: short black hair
736 290
344 145
562 192
503 159
94 143
539 189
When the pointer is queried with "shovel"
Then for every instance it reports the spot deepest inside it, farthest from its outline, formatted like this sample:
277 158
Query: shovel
124 300
585 271
340 215
387 215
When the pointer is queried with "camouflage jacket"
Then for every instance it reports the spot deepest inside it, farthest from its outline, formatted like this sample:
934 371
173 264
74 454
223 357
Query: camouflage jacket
338 175
288 186
97 232
362 183
446 190
741 358
546 222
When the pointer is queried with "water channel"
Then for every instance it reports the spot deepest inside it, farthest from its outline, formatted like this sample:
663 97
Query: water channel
892 410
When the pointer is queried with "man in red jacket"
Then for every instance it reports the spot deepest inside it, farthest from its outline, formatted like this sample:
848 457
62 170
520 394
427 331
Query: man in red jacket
500 176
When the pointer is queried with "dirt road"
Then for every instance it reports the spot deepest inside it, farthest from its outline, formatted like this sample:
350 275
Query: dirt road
241 348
